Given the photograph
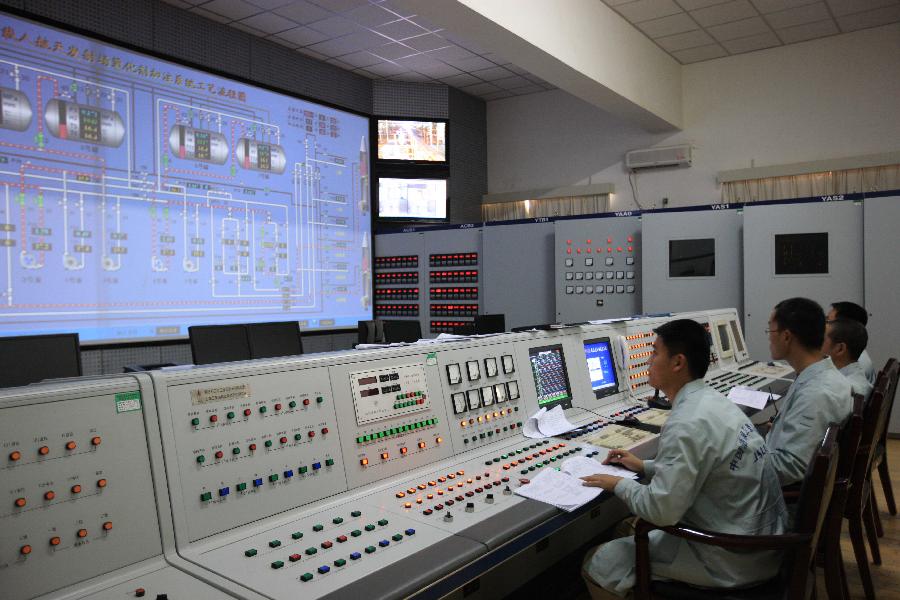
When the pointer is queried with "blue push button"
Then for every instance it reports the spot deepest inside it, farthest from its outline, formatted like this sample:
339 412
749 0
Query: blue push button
316 466
355 556
288 474
223 491
324 569
410 532
384 543
257 482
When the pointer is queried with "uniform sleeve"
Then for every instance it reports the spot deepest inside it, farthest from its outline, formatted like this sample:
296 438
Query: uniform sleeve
679 471
649 468
797 439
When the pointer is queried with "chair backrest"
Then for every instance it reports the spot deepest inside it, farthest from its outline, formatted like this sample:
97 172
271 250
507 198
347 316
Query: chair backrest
874 417
848 439
402 331
892 372
268 340
218 343
490 324
812 507
370 332
26 359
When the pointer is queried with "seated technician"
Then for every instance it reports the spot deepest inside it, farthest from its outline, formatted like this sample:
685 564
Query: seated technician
854 312
711 471
819 395
845 341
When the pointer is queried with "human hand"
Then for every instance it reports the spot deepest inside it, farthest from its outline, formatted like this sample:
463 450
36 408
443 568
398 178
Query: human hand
607 482
624 458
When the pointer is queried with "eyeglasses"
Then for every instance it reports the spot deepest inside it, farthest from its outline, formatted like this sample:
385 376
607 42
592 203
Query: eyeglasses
768 331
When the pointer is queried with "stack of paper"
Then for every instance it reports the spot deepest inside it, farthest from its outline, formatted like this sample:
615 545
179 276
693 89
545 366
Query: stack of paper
750 397
547 423
564 489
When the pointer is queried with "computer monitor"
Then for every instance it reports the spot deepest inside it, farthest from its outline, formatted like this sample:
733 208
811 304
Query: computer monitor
490 324
551 380
31 358
401 331
725 349
218 343
601 365
269 340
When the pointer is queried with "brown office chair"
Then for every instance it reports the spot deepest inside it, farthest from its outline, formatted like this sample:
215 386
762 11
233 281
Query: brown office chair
796 580
879 462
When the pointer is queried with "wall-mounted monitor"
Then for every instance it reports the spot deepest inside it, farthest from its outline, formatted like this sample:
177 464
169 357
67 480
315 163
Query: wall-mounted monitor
692 258
409 199
145 196
601 367
801 254
412 141
551 380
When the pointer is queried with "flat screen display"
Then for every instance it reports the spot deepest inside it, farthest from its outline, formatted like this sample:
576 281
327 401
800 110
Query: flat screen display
38 357
801 254
692 258
400 198
601 367
417 141
551 380
143 196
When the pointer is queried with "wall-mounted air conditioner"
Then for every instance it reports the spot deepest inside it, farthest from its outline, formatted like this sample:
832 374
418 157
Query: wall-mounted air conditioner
649 158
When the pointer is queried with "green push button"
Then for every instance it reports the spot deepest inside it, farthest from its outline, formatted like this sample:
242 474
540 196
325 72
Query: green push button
206 496
524 471
320 399
235 450
356 513
201 459
298 436
504 456
195 421
250 552
360 439
303 470
297 535
552 459
340 562
274 543
230 415
337 520
268 444
310 551
370 549
383 522
396 537
263 410
292 404
273 477
355 533
318 527
369 527
241 487
306 577
329 462
277 564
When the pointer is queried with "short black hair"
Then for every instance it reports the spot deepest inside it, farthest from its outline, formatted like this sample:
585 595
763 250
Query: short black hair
849 332
804 318
688 337
852 311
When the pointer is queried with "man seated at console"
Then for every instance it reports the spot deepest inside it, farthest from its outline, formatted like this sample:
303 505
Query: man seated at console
819 395
711 471
845 341
854 312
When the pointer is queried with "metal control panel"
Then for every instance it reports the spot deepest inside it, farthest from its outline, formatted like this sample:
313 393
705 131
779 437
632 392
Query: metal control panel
391 425
76 493
244 447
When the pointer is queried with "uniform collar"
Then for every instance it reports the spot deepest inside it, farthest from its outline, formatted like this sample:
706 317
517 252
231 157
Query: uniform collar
814 370
851 368
689 388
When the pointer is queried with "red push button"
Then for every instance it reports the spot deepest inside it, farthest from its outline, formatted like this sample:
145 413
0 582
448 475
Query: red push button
43 450
219 454
247 412
76 489
71 445
311 433
213 418
49 495
15 455
95 441
101 483
20 502
55 541
25 550
82 533
278 406
107 526
324 430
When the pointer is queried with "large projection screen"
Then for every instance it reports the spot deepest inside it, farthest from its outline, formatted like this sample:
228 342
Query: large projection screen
139 196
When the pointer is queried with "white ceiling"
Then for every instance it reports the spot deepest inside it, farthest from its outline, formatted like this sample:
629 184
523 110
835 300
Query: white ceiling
697 30
373 38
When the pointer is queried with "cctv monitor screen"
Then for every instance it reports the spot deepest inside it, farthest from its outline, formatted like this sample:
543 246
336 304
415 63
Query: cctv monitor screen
401 198
416 141
692 258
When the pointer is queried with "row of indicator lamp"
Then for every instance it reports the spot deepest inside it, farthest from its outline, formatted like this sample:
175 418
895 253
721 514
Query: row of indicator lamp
395 431
409 399
263 409
56 540
259 481
235 450
71 445
364 461
487 417
50 495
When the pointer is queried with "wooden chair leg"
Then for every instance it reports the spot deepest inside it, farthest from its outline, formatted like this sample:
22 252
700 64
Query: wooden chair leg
835 581
846 587
876 514
862 559
871 533
885 475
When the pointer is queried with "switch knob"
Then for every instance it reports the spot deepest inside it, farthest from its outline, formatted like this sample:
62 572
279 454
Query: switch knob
470 507
448 517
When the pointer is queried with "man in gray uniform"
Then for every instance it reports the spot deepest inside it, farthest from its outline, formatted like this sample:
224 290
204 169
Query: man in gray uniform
820 395
854 312
845 341
711 471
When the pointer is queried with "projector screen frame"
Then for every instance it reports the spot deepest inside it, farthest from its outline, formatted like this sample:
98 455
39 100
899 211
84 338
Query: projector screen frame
67 28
